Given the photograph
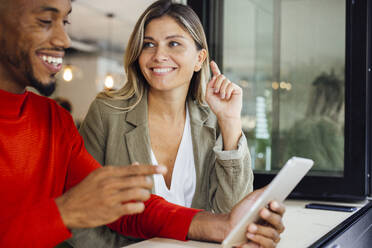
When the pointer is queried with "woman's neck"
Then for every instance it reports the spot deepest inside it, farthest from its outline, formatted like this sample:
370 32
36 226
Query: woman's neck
167 106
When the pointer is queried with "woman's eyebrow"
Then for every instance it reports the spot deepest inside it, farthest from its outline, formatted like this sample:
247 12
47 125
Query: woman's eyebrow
175 36
168 37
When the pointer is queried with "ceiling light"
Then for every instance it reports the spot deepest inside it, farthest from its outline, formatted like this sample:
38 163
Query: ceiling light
67 73
109 81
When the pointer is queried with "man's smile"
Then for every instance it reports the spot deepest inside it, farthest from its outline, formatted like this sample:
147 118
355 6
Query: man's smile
52 61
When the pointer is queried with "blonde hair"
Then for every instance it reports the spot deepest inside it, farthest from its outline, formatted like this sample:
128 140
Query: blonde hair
136 83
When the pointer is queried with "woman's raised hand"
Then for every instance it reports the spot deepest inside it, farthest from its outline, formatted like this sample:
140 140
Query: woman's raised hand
223 96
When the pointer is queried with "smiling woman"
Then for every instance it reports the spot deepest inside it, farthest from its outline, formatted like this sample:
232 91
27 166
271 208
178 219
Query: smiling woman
167 66
27 49
171 112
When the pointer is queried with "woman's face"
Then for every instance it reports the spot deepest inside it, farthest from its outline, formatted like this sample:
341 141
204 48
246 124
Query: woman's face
169 55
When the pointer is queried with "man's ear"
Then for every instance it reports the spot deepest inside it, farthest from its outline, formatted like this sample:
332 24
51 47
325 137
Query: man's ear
202 55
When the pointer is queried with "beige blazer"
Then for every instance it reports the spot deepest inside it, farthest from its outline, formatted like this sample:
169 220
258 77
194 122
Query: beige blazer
116 137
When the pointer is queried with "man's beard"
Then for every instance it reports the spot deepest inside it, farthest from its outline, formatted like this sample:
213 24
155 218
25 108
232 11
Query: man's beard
44 89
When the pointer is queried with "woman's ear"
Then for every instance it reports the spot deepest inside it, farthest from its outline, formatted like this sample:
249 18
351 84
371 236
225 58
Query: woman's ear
202 55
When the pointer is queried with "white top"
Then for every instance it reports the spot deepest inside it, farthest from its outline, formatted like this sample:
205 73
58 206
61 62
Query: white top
182 188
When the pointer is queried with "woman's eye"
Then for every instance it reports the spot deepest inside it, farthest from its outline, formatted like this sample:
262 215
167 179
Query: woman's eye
66 22
174 44
148 45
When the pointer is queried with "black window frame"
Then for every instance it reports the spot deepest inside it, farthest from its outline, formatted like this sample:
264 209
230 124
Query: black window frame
356 182
369 96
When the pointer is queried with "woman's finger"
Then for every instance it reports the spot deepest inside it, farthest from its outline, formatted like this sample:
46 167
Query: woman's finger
217 84
214 67
210 84
223 88
229 90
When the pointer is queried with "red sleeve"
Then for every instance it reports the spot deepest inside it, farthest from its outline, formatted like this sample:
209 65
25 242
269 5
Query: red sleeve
160 219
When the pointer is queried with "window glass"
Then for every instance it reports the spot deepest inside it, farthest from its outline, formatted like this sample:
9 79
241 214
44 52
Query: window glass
289 58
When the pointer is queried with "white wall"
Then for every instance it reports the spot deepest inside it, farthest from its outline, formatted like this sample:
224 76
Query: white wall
89 72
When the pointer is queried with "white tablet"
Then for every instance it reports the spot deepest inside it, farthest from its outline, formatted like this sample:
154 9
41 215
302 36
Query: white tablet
279 188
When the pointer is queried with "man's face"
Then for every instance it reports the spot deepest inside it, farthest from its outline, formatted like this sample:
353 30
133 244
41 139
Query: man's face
32 41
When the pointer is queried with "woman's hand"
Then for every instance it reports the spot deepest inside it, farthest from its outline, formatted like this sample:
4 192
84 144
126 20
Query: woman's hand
225 100
223 96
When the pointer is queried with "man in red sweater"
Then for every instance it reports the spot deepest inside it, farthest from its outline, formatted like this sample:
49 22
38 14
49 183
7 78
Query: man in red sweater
49 184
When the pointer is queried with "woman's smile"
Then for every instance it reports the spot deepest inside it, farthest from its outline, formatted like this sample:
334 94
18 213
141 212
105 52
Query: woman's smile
162 71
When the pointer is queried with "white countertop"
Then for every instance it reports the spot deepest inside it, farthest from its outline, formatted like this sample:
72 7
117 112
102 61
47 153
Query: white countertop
303 227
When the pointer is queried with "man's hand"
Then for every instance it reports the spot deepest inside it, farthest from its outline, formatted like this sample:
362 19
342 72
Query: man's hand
265 233
106 194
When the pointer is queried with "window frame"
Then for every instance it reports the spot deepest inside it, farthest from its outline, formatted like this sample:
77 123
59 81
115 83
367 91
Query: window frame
369 97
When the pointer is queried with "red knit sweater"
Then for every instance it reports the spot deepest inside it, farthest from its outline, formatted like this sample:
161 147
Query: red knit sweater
41 156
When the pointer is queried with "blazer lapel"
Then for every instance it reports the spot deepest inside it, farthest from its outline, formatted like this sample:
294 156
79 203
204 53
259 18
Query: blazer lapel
137 140
203 135
138 145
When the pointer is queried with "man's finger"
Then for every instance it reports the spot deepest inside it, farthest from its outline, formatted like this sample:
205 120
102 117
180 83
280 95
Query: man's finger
121 183
265 231
277 207
214 67
250 245
272 218
133 194
128 195
137 170
136 181
132 208
262 240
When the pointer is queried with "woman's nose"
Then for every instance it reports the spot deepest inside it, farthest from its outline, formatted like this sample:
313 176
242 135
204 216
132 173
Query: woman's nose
161 54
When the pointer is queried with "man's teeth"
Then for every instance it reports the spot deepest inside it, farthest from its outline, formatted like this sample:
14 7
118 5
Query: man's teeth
52 60
162 70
